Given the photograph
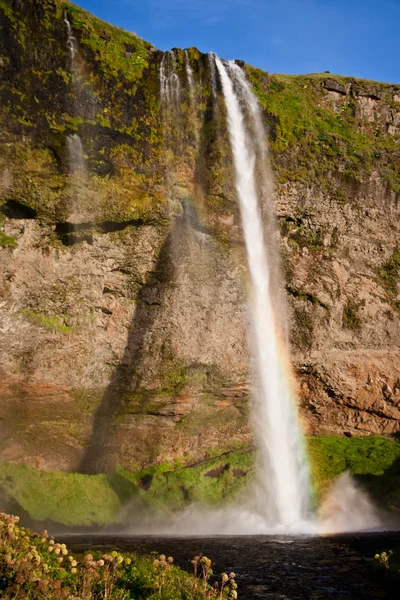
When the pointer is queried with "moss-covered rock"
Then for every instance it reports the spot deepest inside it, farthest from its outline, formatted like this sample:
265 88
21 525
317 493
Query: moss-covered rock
83 500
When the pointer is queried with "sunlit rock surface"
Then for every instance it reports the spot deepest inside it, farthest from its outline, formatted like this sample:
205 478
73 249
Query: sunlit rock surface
123 293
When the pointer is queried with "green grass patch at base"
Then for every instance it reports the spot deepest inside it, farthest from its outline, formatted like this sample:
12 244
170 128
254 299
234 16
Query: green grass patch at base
373 460
74 499
67 498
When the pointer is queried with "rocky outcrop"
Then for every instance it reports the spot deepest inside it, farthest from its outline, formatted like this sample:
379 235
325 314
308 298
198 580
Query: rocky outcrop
345 325
123 283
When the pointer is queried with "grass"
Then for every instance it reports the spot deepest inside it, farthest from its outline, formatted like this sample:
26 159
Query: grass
83 500
120 54
372 460
7 241
215 482
67 498
309 139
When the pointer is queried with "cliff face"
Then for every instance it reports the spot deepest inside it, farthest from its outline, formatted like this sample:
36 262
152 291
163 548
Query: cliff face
123 271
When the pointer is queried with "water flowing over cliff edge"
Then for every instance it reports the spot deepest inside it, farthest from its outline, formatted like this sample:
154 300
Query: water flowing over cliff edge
123 295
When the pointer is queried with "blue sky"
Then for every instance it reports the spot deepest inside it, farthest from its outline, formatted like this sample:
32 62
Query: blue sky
349 37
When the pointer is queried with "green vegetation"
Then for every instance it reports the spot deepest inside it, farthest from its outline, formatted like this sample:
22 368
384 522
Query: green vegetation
389 273
53 323
385 569
73 499
41 102
7 240
213 482
316 139
121 55
33 566
350 318
300 295
67 498
110 97
374 461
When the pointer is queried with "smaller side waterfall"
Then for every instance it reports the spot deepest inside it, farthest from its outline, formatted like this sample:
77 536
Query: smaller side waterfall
190 79
213 74
76 159
72 44
78 179
170 86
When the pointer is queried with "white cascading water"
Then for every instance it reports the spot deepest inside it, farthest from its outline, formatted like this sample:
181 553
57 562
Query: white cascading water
192 98
76 159
170 87
213 78
280 501
285 497
189 74
70 40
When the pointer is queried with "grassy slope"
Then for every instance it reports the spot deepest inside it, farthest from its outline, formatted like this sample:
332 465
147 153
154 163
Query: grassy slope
310 139
73 499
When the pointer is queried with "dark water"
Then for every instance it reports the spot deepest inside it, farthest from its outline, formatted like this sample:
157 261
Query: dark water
311 568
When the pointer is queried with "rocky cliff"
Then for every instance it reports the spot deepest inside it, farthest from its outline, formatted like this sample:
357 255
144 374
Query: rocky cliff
123 271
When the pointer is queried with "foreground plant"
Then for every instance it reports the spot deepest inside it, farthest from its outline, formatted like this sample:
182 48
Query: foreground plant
385 569
34 566
224 588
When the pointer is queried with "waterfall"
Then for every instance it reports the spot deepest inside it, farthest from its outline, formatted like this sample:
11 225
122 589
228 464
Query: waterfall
170 87
284 497
76 159
213 73
189 74
70 40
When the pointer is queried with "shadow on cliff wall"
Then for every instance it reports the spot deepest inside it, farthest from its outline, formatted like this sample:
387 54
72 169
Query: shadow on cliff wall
99 454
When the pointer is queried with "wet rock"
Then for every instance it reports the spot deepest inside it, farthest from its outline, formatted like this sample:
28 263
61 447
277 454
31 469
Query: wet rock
217 471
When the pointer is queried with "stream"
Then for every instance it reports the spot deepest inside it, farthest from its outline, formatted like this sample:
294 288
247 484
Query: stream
268 567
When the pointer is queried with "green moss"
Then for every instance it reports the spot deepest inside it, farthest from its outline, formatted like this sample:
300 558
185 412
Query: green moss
389 274
53 323
372 460
7 240
74 499
67 498
310 140
120 54
211 484
300 235
350 318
